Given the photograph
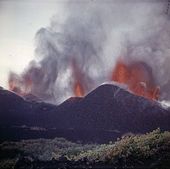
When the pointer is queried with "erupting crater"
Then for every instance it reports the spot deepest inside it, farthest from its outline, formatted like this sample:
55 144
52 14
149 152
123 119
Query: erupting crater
138 77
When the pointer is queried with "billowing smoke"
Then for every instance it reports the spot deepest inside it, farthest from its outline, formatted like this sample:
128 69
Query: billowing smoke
83 48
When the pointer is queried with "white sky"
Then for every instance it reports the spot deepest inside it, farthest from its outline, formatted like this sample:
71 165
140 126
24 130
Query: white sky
19 21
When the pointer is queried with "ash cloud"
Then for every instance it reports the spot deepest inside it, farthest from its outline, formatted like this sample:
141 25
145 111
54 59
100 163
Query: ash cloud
93 35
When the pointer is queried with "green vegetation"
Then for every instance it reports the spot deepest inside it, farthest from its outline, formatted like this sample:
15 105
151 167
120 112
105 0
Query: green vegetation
151 150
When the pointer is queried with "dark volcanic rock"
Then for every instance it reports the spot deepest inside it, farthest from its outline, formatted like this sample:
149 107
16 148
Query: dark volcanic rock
15 110
107 112
111 108
33 98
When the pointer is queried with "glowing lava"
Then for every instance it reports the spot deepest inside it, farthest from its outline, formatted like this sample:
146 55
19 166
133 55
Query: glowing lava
138 77
78 90
14 83
13 86
18 85
79 84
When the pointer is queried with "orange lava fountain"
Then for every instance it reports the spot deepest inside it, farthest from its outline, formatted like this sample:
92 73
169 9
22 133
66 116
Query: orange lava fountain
18 85
78 87
78 90
138 77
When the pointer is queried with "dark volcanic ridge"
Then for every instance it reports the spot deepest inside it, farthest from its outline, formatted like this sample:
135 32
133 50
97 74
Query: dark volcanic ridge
106 113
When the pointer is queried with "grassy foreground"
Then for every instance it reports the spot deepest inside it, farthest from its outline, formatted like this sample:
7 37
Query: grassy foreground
151 150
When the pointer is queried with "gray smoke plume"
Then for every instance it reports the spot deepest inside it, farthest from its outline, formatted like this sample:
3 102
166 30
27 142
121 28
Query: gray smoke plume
90 39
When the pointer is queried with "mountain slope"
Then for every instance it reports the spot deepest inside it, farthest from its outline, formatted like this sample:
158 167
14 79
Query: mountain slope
107 112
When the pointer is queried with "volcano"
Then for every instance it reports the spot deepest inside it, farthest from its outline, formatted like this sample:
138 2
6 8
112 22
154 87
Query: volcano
104 114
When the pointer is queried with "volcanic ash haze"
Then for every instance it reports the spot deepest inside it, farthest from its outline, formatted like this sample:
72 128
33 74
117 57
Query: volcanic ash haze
80 51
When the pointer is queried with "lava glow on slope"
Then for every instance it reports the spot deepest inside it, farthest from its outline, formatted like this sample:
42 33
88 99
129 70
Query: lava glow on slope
138 77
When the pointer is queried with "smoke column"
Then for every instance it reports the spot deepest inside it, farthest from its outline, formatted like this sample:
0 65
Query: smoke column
93 35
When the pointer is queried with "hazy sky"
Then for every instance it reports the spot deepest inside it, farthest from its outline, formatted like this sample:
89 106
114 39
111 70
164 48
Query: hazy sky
20 20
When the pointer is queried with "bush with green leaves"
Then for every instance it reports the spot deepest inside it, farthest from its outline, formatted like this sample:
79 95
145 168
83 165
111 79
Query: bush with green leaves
148 150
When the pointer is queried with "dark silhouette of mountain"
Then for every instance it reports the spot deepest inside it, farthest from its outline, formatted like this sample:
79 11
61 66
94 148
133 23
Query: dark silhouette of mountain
31 97
105 113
